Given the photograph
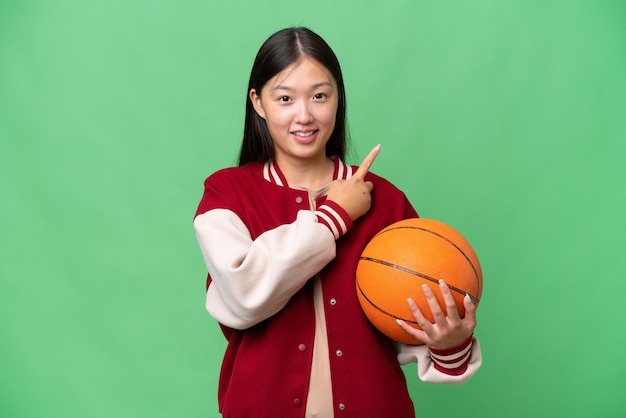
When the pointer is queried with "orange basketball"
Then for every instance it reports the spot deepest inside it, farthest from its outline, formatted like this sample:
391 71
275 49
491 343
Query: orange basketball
402 257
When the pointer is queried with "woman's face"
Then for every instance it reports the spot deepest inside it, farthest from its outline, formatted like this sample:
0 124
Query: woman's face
299 105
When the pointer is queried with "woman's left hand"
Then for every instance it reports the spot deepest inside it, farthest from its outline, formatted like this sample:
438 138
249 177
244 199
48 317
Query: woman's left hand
447 331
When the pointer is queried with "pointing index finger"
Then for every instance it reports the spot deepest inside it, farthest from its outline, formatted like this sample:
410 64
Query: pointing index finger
367 163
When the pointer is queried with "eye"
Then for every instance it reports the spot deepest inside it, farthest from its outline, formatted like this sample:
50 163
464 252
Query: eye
284 99
320 96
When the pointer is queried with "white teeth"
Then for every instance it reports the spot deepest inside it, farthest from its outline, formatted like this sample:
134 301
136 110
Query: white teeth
303 134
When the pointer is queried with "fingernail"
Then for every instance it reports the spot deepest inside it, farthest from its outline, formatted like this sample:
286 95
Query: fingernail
399 321
442 283
425 288
411 302
468 298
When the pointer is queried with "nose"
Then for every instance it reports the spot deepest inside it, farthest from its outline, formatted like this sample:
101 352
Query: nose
303 113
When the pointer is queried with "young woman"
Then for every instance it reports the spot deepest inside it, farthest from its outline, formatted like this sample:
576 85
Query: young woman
281 235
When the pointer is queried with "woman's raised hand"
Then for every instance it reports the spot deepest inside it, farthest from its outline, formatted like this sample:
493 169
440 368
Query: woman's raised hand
354 194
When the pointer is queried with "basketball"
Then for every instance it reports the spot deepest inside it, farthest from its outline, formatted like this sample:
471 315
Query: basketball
400 259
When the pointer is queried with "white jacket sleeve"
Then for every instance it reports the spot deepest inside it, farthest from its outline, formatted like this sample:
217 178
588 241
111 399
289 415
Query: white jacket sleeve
454 368
254 279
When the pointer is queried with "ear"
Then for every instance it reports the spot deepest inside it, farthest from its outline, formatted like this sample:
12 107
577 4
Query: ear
256 103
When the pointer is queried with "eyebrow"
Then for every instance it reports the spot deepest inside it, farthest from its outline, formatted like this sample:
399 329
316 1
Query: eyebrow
313 87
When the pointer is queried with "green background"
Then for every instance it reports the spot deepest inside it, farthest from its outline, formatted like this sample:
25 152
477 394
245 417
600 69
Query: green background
505 119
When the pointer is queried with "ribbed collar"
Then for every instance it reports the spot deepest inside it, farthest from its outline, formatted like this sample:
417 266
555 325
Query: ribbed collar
272 173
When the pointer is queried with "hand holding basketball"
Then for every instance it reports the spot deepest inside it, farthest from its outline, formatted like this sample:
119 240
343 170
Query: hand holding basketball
400 263
447 331
354 194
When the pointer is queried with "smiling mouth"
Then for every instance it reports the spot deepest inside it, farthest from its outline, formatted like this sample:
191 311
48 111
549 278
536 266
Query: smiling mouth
304 134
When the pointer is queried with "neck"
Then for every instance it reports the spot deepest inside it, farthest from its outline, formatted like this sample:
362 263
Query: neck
309 174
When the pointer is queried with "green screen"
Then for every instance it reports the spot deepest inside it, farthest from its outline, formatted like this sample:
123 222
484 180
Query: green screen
504 119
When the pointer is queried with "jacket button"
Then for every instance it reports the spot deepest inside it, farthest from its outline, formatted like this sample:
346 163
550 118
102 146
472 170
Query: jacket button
299 199
302 347
297 402
333 301
339 353
342 406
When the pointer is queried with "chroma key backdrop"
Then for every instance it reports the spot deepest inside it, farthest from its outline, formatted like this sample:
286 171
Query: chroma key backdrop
503 119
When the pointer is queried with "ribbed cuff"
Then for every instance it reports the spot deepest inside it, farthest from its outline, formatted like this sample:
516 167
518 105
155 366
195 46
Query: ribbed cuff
453 361
334 217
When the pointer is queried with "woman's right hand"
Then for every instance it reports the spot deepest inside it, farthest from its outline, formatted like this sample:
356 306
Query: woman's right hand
355 194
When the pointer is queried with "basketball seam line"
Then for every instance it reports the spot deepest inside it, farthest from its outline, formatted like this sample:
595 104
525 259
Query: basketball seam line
380 309
415 273
444 238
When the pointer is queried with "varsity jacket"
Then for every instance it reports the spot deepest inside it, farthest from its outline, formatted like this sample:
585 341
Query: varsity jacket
262 244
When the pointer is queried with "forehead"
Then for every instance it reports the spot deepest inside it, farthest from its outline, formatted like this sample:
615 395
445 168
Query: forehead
303 74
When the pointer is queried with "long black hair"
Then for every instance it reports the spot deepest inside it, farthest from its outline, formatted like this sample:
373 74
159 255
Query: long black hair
279 51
